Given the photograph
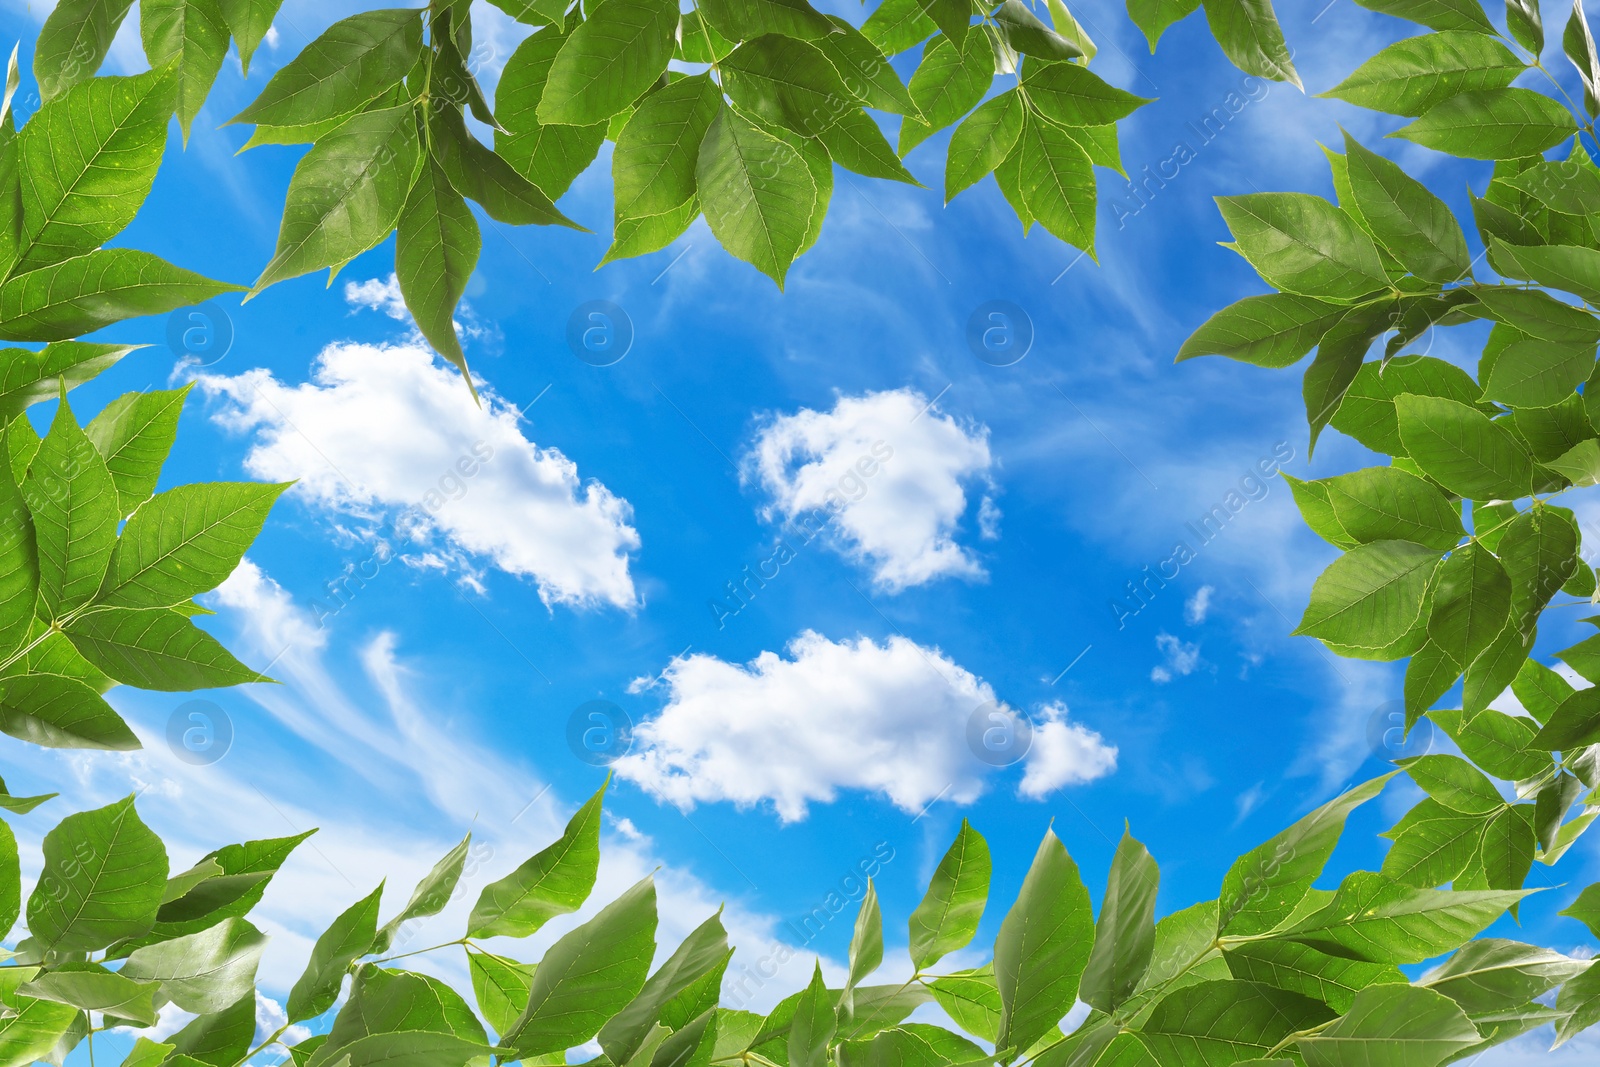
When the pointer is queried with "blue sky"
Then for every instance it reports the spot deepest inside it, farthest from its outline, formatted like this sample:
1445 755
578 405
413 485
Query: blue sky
826 720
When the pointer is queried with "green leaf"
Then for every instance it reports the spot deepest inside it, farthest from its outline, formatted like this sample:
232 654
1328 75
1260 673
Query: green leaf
1538 314
133 434
74 41
1392 1026
1043 947
19 582
1375 918
354 61
896 26
1498 743
743 20
501 987
1538 373
1154 16
96 289
73 501
1405 217
1435 14
1263 886
347 193
855 142
864 70
1389 504
1492 124
1125 933
972 999
29 377
192 35
866 945
430 895
1458 447
1218 1023
103 876
651 233
1411 76
1495 975
480 174
757 193
87 161
1580 1000
341 944
1301 969
184 542
949 82
812 1029
588 975
1471 603
1071 96
786 82
1303 244
1580 465
203 972
609 61
1250 36
1026 33
435 253
1275 330
653 167
58 712
953 17
1371 596
1560 186
947 918
220 1039
10 880
1578 44
247 871
35 1031
92 987
551 157
20 806
248 21
981 141
1455 783
555 882
702 953
1575 723
1057 181
1569 268
156 649
1432 845
1539 551
1367 412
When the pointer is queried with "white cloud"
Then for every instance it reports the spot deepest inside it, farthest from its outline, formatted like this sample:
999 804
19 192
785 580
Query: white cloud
1182 658
1063 753
893 471
890 719
381 428
1196 607
378 294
